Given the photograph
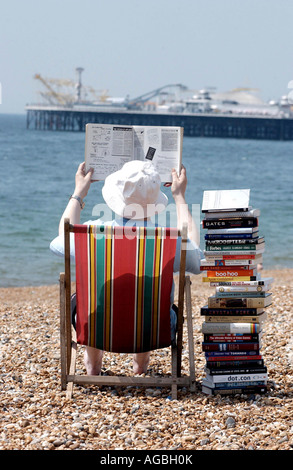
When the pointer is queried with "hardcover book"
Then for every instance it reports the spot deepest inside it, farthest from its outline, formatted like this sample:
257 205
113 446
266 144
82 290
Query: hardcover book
234 302
232 231
231 236
230 346
229 279
241 311
240 294
230 327
265 282
225 214
240 290
245 369
233 357
216 263
237 248
247 268
236 318
247 222
236 255
224 385
260 389
228 200
237 378
231 338
235 241
224 272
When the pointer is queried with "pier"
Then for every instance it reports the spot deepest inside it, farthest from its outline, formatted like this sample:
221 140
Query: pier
195 125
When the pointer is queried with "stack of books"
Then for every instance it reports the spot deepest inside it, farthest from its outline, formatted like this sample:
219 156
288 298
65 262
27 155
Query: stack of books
235 314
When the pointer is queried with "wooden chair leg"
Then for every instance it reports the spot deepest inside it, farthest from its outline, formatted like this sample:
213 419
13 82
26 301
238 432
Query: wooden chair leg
68 346
190 333
72 368
174 371
63 350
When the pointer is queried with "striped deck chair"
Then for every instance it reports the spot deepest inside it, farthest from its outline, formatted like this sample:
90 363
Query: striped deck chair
124 278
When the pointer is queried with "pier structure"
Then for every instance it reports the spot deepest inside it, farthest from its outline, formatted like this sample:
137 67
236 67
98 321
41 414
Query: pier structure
195 125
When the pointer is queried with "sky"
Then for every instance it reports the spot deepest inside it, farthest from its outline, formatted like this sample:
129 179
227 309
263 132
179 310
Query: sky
130 47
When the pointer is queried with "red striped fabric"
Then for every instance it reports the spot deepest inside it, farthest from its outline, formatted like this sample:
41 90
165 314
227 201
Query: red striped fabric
124 295
81 274
123 287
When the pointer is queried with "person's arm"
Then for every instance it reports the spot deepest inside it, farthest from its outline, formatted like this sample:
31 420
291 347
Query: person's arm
73 209
178 189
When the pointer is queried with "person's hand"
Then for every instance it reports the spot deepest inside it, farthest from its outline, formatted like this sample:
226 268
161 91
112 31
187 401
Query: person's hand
179 183
82 181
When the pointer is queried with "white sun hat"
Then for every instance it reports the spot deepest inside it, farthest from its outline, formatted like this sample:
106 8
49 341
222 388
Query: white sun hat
134 191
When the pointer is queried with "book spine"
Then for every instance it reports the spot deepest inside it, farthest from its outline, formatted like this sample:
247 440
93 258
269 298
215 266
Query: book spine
229 279
230 328
242 287
234 241
219 367
233 210
231 311
235 391
231 295
230 338
238 378
247 270
236 231
232 252
228 262
234 319
238 353
230 347
234 214
215 223
236 302
235 370
237 358
229 272
234 256
224 385
231 236
231 247
259 282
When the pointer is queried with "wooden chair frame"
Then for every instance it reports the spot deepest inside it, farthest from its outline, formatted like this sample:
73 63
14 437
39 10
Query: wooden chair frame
68 344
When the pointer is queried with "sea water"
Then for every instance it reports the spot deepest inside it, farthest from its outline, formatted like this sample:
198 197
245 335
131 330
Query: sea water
37 178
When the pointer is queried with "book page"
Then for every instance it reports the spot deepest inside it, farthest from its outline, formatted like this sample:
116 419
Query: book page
160 145
107 148
233 199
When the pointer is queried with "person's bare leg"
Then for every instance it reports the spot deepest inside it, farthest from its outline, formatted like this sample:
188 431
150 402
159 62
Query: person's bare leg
141 362
93 360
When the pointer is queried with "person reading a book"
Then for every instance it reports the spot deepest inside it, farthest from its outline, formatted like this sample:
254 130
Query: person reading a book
133 193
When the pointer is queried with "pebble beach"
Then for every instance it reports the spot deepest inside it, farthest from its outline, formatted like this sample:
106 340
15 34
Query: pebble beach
36 415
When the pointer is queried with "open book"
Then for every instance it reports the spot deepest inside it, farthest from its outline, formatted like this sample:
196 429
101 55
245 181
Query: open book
229 200
108 147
